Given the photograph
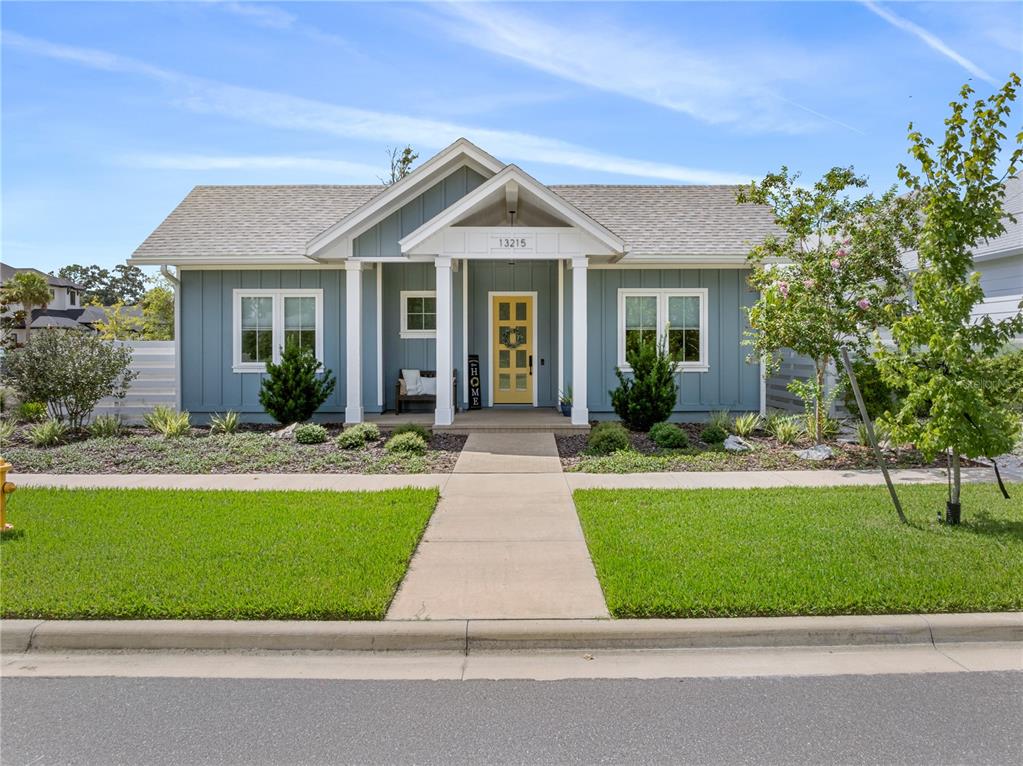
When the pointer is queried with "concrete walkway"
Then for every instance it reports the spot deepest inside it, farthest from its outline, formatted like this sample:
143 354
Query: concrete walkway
504 542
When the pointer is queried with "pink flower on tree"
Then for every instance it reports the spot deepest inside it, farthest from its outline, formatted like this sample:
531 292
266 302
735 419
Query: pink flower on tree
841 253
783 288
836 264
863 303
809 284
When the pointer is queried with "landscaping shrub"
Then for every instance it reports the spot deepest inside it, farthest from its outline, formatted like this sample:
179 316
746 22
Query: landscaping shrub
7 429
746 425
224 424
878 396
1004 377
606 438
8 400
648 394
407 443
785 429
357 435
70 371
310 433
49 433
721 419
105 426
668 436
166 422
413 428
829 427
881 433
294 389
712 433
31 412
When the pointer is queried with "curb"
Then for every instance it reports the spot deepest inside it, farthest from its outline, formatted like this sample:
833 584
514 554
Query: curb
465 636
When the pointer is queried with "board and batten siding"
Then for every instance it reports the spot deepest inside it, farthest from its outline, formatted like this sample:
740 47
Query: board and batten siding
208 382
731 383
381 241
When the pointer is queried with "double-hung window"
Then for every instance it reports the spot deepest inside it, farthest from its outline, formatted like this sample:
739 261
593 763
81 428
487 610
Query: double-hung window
418 314
265 321
675 316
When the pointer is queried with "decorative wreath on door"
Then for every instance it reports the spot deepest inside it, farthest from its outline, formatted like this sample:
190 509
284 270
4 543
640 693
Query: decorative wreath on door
511 337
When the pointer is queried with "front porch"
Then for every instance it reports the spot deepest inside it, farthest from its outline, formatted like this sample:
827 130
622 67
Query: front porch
524 420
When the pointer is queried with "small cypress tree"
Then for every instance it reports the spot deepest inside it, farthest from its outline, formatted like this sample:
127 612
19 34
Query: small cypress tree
648 395
294 389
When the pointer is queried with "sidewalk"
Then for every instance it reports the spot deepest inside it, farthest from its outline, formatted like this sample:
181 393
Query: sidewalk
372 482
504 541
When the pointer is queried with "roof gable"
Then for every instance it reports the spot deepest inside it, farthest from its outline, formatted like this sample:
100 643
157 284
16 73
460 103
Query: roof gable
336 240
513 182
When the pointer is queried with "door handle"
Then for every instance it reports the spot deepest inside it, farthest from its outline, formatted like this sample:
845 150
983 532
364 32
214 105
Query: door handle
530 364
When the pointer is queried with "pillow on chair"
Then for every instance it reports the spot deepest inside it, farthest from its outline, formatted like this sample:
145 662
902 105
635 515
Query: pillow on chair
428 386
413 383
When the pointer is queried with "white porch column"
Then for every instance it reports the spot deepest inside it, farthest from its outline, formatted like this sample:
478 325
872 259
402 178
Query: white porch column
353 341
445 413
580 412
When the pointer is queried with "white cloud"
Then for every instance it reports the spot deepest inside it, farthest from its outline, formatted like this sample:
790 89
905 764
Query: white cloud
282 111
928 39
706 85
342 168
261 14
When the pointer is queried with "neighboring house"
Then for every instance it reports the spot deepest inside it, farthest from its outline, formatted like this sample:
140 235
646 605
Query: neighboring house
547 285
63 310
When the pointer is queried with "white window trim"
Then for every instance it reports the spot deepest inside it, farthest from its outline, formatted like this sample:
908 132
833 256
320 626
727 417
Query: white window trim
237 365
405 332
662 294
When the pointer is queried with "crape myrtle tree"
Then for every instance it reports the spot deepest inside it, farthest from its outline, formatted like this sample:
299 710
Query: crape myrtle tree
940 352
831 274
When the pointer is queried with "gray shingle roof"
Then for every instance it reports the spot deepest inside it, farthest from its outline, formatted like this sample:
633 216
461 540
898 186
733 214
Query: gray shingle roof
264 221
690 221
7 271
269 221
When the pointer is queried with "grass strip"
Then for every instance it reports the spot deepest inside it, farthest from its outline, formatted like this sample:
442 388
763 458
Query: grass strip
800 551
177 554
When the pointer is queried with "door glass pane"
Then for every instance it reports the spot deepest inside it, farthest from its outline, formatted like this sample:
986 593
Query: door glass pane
504 381
520 359
520 381
504 359
504 311
520 311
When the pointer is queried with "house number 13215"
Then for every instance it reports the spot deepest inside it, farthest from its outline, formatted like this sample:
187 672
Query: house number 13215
512 241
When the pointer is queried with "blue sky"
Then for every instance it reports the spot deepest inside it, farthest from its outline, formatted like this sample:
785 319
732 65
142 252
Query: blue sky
113 111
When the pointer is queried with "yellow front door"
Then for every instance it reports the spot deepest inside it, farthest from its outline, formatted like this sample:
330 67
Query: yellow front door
513 349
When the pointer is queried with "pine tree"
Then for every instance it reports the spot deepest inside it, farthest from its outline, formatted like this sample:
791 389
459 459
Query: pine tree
294 389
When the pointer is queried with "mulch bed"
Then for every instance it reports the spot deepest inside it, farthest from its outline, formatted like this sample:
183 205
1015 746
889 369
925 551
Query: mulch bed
766 455
252 449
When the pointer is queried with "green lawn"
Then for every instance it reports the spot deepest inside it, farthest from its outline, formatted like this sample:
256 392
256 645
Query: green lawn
701 553
191 554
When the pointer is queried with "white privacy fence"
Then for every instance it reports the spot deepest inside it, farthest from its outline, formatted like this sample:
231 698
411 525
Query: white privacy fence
156 382
793 366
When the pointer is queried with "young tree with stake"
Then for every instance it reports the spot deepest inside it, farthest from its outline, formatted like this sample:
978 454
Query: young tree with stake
940 350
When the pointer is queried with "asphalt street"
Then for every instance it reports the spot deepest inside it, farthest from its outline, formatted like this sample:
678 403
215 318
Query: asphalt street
928 719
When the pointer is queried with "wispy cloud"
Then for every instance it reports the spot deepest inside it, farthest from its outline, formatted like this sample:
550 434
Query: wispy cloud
705 84
262 162
277 110
928 39
269 16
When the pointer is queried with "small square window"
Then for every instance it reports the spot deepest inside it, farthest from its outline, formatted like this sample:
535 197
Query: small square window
418 314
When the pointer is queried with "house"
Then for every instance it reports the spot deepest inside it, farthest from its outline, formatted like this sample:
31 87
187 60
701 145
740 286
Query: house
64 309
466 256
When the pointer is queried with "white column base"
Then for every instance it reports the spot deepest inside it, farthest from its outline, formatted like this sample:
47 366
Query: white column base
353 415
580 415
444 417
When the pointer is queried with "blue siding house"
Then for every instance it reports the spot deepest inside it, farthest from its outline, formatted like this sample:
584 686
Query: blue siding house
548 286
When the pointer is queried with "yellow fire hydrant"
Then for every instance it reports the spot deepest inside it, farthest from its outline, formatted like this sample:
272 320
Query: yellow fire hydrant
6 488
